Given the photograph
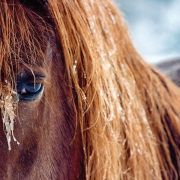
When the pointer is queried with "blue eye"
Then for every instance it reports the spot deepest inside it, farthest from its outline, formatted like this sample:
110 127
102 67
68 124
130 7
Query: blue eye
29 88
33 88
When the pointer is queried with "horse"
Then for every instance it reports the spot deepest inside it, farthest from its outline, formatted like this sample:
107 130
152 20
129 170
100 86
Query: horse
77 100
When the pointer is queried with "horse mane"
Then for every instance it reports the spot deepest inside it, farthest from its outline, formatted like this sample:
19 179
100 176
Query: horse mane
128 111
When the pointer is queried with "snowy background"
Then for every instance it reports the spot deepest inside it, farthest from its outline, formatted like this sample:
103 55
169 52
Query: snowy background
154 27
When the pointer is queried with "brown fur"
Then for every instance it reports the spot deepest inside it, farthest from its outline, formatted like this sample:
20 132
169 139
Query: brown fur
104 114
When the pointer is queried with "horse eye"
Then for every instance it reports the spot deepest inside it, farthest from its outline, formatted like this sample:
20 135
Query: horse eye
29 90
33 88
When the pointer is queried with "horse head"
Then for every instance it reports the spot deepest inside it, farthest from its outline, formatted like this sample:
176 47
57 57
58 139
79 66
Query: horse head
77 100
37 109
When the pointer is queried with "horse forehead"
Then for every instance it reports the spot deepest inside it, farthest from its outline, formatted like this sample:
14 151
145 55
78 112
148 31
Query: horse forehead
43 59
39 64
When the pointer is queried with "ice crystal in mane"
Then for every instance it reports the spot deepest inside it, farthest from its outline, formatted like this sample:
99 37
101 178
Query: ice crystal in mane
8 107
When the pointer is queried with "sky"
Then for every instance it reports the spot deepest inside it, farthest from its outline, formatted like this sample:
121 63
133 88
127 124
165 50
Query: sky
154 27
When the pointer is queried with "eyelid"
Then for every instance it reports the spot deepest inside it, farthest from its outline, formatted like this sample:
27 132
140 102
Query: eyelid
35 80
31 75
35 73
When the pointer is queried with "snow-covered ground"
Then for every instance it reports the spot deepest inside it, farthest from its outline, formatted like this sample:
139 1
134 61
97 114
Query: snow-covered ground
154 26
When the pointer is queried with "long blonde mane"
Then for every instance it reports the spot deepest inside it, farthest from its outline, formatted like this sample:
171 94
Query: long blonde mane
128 112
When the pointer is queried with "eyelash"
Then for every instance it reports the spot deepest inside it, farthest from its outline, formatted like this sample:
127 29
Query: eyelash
36 81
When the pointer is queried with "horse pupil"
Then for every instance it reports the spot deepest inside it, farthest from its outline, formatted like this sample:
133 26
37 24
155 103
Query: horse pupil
32 88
